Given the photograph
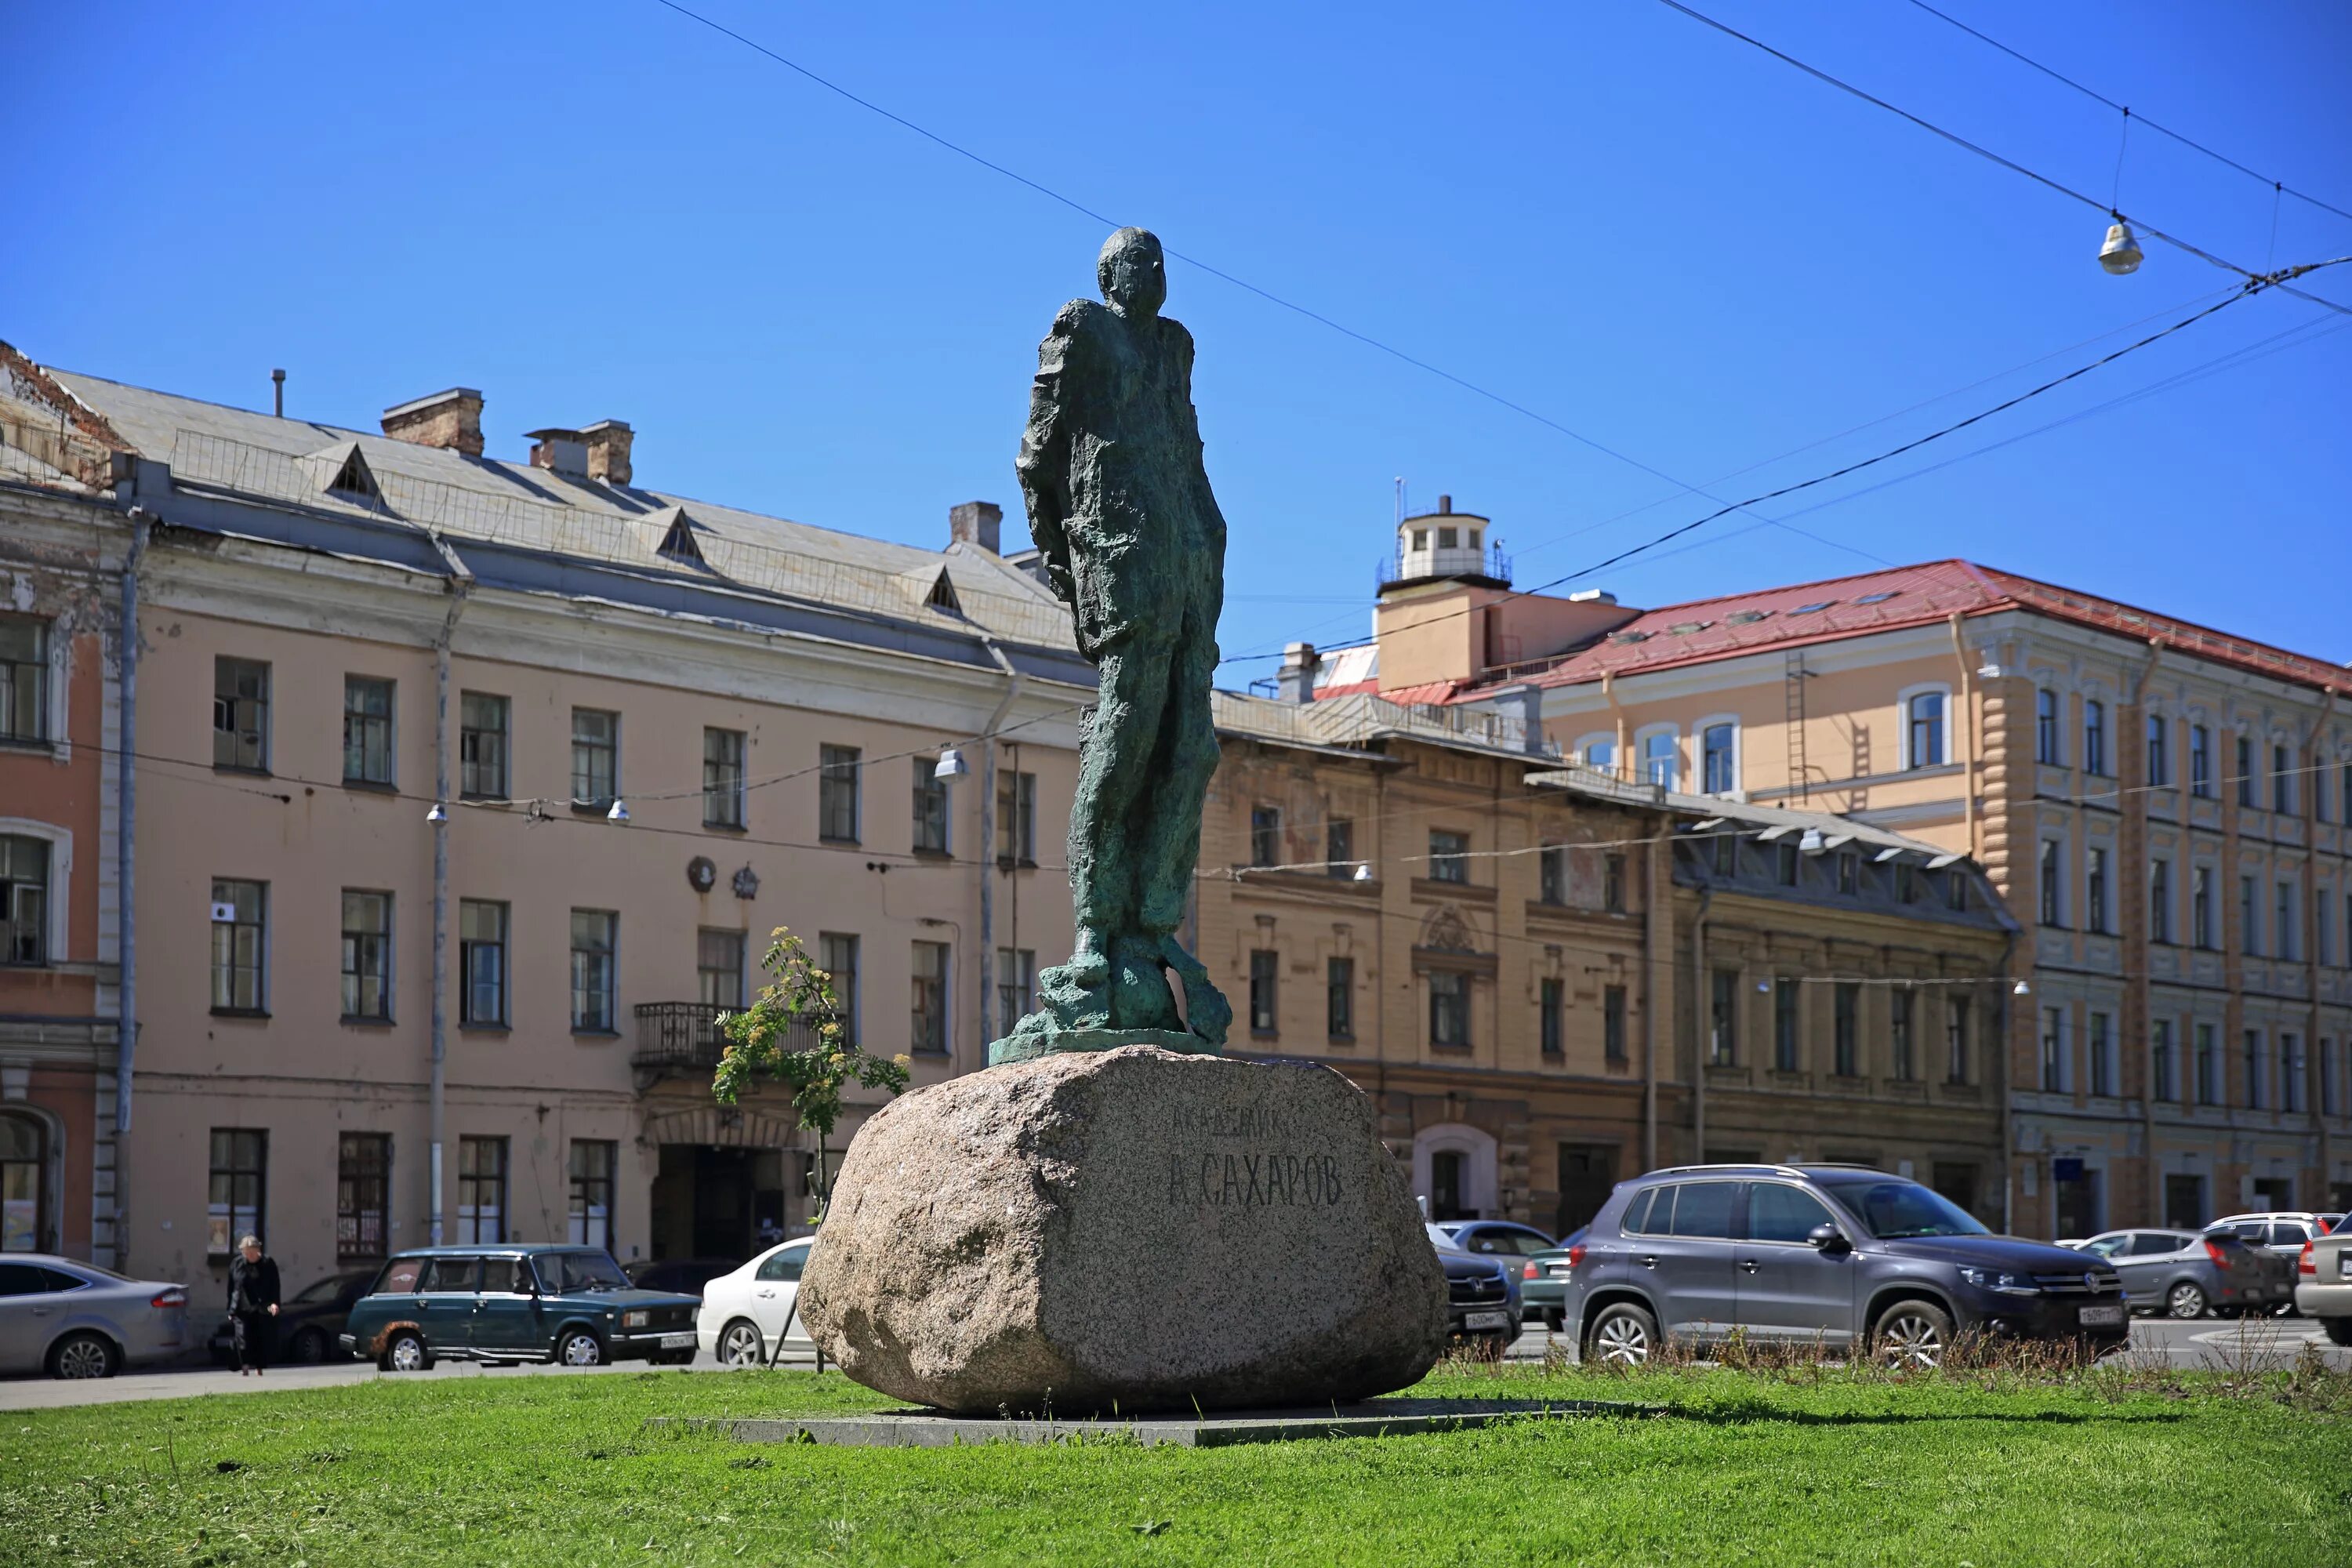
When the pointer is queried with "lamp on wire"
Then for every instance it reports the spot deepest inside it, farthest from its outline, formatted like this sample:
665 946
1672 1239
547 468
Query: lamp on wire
2121 255
1363 870
1812 843
620 812
951 764
2020 989
438 814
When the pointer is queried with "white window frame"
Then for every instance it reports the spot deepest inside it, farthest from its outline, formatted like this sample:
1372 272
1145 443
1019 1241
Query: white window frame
60 889
1903 701
1585 743
59 738
1738 790
1642 738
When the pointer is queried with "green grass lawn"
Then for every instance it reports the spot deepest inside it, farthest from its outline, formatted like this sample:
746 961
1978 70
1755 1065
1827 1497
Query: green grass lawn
1825 1466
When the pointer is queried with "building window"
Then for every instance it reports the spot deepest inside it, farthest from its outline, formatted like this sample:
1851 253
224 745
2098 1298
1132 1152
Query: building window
2103 1059
2284 933
2159 901
24 679
2054 1050
837 956
240 1186
1551 1006
1612 884
2159 763
481 1191
24 1223
2248 936
1923 730
1660 764
2327 1096
1340 998
593 933
1845 1037
1725 841
1265 1017
1601 756
367 731
1449 1008
592 1164
2200 906
930 808
1723 1018
837 793
2094 736
482 746
1551 872
1898 1034
482 961
1849 873
1906 882
596 757
1016 981
2291 1070
1265 836
2323 942
1956 1039
363 1194
2094 915
1718 760
718 969
1339 848
1016 819
2207 1067
2045 729
1785 861
2245 771
2282 781
722 778
241 715
24 900
1449 856
2200 761
1612 1023
2254 1066
367 955
240 946
2161 1084
927 1023
2054 908
1784 1022
1956 891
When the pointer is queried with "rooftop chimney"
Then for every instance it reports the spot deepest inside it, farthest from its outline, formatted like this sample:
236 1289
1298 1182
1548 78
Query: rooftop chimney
559 452
979 522
1445 506
1296 679
608 450
451 420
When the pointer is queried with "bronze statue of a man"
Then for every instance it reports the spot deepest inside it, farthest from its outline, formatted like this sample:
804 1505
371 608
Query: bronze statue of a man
1121 506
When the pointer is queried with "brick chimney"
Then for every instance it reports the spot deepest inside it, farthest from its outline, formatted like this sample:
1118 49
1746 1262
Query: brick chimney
1296 679
608 450
451 420
979 522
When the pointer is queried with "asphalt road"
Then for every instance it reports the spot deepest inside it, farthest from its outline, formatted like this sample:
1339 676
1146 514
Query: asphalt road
2211 1344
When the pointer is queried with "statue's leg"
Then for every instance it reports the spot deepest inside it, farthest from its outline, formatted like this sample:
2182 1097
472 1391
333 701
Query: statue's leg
1170 839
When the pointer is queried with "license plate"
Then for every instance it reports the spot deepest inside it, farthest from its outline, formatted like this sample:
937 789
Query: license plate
2101 1317
1476 1321
2343 1264
676 1341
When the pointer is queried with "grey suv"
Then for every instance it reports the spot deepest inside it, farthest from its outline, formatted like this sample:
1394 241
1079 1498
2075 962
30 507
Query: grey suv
1834 1254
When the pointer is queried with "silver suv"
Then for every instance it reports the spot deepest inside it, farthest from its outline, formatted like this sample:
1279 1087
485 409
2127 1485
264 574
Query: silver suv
1833 1255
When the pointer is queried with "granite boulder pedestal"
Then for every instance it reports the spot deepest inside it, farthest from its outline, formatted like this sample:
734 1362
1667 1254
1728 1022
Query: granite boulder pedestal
1127 1231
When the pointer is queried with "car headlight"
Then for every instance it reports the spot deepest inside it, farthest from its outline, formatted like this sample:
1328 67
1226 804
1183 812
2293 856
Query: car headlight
637 1320
2008 1284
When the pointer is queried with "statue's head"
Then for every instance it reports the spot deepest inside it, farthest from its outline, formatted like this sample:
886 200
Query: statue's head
1133 273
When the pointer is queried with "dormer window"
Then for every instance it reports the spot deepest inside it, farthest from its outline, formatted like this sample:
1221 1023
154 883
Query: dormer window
1445 538
1421 539
943 597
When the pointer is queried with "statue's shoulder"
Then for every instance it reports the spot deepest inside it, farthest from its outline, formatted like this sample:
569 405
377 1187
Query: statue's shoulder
1083 318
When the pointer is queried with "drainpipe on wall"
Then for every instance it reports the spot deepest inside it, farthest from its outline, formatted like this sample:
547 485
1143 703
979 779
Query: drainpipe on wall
126 915
1702 1014
1620 765
1013 680
1967 737
2312 955
461 585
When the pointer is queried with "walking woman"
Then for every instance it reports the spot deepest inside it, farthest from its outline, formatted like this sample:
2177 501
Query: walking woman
252 1306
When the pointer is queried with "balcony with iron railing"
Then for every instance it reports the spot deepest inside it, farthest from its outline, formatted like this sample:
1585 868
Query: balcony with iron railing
683 1037
1489 566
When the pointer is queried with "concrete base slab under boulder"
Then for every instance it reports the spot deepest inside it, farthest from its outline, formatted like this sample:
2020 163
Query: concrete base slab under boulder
1127 1231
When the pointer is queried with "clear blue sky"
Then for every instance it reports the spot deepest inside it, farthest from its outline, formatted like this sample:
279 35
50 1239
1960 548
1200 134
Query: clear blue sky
1648 232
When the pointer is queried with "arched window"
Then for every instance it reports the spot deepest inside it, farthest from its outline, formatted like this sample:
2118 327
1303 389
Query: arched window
24 1186
1718 759
1925 732
1661 761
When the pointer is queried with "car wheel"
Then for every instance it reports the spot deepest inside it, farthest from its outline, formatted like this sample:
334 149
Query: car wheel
2338 1329
739 1344
580 1348
308 1346
1623 1335
2186 1301
84 1354
1912 1333
405 1351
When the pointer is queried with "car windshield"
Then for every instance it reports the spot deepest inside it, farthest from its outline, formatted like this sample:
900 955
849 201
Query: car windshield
580 1271
1896 1210
324 1291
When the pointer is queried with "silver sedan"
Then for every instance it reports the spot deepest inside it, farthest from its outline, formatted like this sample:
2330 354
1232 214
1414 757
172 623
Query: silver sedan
72 1319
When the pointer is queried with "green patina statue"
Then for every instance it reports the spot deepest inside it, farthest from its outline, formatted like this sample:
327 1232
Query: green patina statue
1121 507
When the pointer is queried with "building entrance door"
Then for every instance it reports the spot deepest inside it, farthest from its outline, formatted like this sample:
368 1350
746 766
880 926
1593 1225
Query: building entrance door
1587 1173
2184 1202
714 1202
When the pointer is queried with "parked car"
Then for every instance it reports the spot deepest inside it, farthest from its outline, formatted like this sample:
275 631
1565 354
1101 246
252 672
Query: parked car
1482 1293
1822 1254
1516 1245
2283 1232
1543 1282
571 1305
309 1324
2323 1284
2182 1274
72 1319
678 1276
746 1311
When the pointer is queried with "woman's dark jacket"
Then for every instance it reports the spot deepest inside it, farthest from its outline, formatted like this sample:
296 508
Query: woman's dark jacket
252 1287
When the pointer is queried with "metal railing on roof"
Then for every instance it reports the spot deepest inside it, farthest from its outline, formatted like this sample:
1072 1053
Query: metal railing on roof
1361 718
631 540
45 452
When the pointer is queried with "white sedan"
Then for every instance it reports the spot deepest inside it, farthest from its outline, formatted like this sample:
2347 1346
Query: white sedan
745 1314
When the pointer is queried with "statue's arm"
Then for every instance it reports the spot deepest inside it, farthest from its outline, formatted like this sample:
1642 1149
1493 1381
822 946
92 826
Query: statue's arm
1044 462
1204 499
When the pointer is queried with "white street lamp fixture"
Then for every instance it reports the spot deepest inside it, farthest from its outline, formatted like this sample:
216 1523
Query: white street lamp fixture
438 814
1812 843
620 812
2020 989
951 764
2121 255
1363 870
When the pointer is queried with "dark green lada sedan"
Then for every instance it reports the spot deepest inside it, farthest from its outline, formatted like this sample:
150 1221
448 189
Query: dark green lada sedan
570 1305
